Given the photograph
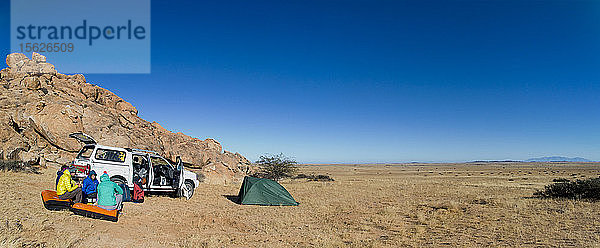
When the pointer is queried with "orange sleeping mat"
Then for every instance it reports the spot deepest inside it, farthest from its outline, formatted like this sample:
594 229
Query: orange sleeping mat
95 212
51 201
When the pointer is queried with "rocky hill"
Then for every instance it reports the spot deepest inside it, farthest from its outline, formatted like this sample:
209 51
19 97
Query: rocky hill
41 107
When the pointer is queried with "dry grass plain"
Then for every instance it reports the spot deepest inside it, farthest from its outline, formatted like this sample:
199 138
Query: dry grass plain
409 205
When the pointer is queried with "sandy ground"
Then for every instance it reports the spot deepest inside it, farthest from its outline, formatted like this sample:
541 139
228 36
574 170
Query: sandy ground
439 205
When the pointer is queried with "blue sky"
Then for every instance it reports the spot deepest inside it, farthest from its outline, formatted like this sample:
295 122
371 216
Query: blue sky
373 81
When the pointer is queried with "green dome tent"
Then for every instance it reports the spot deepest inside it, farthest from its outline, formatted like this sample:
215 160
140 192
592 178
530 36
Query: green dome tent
262 191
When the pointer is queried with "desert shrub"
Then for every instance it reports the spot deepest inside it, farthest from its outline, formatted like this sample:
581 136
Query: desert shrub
17 166
200 176
275 167
302 176
311 177
578 189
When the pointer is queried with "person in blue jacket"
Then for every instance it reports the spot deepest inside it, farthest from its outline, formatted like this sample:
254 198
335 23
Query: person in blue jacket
90 185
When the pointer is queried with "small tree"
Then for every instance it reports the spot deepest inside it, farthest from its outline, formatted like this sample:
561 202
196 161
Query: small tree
276 166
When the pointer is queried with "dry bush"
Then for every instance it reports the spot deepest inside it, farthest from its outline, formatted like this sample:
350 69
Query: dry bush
200 176
578 189
276 167
312 177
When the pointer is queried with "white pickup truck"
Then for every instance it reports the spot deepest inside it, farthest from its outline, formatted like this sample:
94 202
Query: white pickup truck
126 166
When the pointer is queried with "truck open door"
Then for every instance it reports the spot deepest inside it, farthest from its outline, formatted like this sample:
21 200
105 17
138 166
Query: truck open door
80 167
83 138
182 190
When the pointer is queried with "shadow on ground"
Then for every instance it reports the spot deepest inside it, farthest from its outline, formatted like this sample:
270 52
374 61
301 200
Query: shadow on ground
233 198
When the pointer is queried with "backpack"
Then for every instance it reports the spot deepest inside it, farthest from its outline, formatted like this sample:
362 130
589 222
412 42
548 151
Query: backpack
126 193
138 193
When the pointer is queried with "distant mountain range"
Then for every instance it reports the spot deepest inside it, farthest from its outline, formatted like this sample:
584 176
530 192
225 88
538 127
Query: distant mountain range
557 159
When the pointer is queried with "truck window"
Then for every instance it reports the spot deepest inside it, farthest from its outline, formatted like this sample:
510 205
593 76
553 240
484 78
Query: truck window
156 161
85 152
110 155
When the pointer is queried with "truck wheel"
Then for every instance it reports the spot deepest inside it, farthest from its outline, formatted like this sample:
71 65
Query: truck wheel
117 180
188 192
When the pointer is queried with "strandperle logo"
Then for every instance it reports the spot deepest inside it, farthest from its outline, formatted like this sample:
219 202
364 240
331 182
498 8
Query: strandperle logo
82 32
108 36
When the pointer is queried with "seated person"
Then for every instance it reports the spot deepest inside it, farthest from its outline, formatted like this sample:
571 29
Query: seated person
67 188
110 194
90 183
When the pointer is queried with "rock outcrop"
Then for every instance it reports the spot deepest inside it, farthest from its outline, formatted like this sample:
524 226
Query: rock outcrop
40 107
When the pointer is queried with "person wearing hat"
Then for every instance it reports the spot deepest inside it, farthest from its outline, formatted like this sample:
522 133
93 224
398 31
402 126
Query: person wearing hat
67 188
110 195
90 183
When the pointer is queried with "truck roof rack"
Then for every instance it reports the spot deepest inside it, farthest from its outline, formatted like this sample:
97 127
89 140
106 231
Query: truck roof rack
141 150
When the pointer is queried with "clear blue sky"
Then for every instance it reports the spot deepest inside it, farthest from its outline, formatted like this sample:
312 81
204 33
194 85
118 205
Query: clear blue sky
373 81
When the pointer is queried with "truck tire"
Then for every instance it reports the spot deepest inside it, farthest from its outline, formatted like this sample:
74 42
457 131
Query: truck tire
189 186
118 180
